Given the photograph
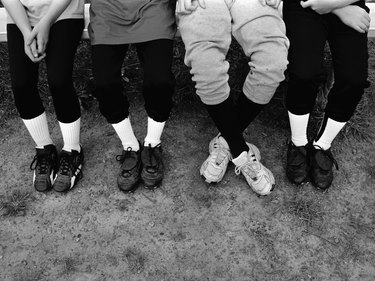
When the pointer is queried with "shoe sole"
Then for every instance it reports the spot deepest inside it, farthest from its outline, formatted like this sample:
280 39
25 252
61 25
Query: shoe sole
321 188
208 181
304 182
131 189
151 184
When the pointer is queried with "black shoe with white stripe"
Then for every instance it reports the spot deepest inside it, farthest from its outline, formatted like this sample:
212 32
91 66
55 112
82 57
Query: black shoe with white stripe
70 170
44 165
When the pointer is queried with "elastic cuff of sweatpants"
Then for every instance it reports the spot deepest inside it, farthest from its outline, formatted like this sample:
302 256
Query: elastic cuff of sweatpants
261 94
213 99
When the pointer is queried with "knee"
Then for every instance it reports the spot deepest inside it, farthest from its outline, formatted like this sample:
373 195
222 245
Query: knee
60 83
114 109
103 89
305 74
354 79
164 82
23 85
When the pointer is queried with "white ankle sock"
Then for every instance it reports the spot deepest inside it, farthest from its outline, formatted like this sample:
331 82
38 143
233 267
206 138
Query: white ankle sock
38 129
125 132
241 159
71 135
154 131
330 131
298 128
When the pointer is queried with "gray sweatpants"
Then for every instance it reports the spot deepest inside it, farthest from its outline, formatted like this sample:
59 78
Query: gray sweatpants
259 30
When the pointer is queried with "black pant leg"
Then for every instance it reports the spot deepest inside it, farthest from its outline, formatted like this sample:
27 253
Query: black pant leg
350 63
158 83
24 76
60 53
106 62
307 32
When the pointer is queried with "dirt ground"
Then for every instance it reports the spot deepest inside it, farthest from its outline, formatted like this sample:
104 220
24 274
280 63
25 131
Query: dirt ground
185 230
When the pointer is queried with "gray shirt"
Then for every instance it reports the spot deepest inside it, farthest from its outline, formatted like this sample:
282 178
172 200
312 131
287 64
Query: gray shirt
131 21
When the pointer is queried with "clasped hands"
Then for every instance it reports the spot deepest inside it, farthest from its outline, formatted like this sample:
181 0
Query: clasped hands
36 41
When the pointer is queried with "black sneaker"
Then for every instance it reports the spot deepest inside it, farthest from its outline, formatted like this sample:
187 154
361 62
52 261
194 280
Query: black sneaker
297 166
44 165
153 167
322 162
129 176
70 170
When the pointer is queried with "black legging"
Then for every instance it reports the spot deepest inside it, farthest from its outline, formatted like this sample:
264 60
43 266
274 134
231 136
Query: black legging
308 32
63 40
158 83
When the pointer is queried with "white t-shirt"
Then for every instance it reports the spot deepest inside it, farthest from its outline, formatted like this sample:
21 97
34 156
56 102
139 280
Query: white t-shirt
36 9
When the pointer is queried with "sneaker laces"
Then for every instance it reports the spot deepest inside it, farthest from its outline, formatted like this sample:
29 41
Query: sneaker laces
41 162
218 155
328 155
152 167
249 168
152 152
66 165
121 158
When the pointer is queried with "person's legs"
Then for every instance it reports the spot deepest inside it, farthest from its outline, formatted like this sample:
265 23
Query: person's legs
158 87
261 33
114 106
107 62
63 41
24 80
206 48
307 32
350 63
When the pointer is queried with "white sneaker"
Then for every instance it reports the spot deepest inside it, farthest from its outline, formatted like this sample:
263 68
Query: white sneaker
215 166
259 178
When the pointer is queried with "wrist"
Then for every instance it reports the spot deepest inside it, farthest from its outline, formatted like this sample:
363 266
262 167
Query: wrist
338 11
25 31
46 21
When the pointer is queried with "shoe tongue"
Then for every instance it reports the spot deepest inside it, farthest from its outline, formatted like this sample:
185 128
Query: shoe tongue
130 162
323 161
298 160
